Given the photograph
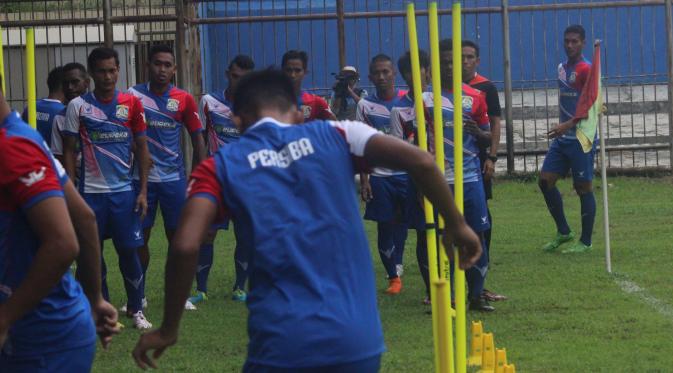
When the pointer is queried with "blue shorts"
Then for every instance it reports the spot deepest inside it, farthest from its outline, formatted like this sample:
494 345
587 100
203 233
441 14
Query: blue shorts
369 365
565 154
170 195
116 218
73 360
475 211
389 199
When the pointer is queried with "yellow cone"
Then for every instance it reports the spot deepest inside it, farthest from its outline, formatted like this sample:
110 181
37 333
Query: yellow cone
488 354
476 344
510 368
500 360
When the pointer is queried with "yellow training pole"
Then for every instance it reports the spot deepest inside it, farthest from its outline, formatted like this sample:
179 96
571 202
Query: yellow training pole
2 63
461 319
430 231
444 288
30 77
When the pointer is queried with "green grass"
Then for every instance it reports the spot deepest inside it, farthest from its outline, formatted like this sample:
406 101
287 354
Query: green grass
565 313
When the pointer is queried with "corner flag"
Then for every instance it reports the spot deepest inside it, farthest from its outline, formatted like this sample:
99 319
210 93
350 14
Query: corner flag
590 104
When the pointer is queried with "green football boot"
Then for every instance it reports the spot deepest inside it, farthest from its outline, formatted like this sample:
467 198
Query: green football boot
559 240
578 247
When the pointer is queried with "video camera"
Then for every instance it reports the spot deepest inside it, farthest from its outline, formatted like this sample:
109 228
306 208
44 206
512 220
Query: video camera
343 79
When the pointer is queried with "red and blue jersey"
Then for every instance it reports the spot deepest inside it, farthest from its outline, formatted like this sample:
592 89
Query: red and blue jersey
313 107
165 116
402 120
47 109
106 131
29 174
571 79
376 112
216 111
474 108
312 298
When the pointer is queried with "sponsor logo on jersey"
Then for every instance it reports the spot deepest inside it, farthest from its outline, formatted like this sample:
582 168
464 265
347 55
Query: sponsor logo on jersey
114 136
172 104
122 112
42 116
161 124
33 177
292 152
228 131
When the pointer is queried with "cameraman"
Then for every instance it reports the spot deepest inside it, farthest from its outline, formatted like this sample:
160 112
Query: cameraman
345 95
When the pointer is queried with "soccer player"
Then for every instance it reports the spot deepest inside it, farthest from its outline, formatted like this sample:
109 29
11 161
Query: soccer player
565 151
295 66
75 83
488 155
110 126
49 107
312 299
168 110
475 131
216 109
45 319
386 190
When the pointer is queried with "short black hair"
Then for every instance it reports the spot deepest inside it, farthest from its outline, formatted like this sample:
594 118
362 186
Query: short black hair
295 55
446 45
243 61
576 29
99 54
55 79
268 88
471 44
404 63
74 66
380 58
160 48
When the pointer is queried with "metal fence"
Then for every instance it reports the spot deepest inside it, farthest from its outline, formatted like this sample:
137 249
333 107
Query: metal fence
521 46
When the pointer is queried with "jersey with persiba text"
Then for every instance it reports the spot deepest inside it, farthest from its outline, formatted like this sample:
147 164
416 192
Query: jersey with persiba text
312 299
375 112
47 109
571 79
165 116
106 131
28 175
474 108
217 113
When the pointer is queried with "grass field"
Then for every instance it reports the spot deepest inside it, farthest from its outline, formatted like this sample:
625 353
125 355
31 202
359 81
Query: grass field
565 313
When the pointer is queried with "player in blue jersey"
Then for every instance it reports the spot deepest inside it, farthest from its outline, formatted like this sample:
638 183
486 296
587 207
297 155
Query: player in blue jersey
312 297
565 151
386 190
45 319
216 111
168 110
49 107
75 83
110 127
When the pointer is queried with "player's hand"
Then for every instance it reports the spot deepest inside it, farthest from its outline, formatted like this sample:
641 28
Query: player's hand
105 318
155 340
4 328
141 205
559 129
471 127
467 242
366 191
489 169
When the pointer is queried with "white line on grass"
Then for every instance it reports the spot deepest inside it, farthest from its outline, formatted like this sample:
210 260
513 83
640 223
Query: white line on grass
630 287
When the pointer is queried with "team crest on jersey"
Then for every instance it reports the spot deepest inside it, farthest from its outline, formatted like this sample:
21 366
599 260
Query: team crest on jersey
172 104
573 76
122 112
561 73
467 103
306 110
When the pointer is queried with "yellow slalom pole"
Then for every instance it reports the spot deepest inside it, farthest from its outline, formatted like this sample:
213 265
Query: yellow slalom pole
461 319
444 289
2 63
430 231
30 77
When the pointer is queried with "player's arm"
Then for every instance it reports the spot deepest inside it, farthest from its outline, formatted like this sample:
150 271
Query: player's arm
324 110
71 133
195 129
142 155
387 151
365 186
196 218
88 263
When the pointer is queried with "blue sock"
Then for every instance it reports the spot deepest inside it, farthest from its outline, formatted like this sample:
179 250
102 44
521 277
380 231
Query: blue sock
129 265
241 261
399 239
203 268
386 245
103 275
555 205
588 203
476 275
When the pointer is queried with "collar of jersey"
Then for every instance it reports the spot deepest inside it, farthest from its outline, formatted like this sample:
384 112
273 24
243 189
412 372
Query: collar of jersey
267 120
11 117
51 100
